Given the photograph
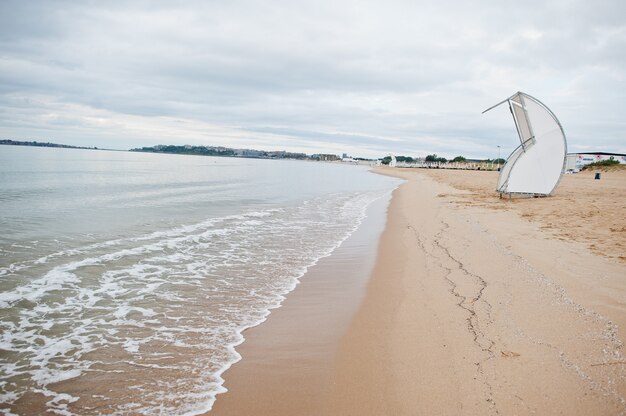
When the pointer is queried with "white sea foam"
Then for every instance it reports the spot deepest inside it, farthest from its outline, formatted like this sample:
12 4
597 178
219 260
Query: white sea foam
172 299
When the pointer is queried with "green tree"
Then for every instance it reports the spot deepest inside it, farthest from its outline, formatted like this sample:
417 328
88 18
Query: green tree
435 158
459 159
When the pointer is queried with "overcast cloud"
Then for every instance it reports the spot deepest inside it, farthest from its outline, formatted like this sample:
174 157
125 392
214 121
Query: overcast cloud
365 78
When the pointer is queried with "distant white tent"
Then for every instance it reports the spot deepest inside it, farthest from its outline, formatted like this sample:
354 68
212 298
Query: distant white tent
536 165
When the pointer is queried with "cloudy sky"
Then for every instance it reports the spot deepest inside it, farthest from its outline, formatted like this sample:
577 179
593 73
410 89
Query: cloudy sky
365 78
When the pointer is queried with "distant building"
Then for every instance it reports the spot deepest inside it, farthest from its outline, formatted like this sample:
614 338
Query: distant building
327 157
276 154
575 161
248 153
293 155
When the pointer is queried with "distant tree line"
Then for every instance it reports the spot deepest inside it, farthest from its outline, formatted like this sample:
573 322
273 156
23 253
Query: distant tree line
43 144
435 158
460 159
221 151
407 159
187 150
438 159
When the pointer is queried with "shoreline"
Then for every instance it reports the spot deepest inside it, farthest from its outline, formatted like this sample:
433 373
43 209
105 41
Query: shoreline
483 313
287 358
470 309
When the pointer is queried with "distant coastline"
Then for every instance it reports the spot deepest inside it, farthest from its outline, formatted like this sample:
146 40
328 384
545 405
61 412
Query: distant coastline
245 153
203 151
43 144
219 151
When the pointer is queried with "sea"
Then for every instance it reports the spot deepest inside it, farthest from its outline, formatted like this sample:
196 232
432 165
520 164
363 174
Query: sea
127 279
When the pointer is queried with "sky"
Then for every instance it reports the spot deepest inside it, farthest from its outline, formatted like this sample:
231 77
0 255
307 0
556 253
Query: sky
356 77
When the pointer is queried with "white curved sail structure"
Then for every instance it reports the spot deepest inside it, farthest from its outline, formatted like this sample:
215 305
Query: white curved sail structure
393 162
536 165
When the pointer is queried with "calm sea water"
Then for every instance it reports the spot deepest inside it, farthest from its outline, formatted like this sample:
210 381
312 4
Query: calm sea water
126 279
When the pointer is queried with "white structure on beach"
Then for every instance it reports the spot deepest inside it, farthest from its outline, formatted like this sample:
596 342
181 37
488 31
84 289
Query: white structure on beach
536 165
393 163
576 161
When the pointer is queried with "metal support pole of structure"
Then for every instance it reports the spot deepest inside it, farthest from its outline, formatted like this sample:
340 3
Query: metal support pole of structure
498 157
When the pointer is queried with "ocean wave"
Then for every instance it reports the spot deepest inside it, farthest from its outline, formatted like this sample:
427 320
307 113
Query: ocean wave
163 312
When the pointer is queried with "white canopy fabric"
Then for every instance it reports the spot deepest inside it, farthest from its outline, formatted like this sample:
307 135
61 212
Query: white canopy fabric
536 165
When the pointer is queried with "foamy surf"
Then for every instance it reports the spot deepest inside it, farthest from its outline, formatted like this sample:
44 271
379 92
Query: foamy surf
147 324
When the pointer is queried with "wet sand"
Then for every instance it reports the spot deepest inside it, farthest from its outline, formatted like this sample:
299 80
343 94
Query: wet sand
475 306
287 360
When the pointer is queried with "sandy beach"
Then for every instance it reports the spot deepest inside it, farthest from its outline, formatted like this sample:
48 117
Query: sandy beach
475 305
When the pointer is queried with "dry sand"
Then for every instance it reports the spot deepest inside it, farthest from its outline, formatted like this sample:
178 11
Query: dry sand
582 209
475 306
